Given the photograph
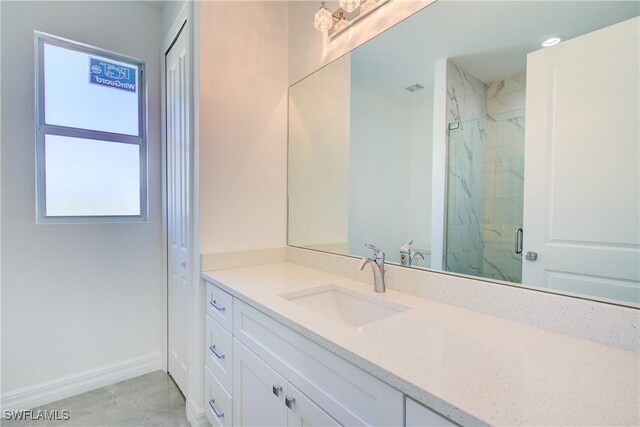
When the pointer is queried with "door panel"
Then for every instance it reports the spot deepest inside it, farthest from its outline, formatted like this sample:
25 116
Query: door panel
258 390
178 206
582 179
304 412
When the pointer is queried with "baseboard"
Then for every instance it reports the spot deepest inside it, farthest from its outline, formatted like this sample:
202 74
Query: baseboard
196 417
61 388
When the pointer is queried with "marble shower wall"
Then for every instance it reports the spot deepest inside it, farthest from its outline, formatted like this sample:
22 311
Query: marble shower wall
504 178
466 104
485 175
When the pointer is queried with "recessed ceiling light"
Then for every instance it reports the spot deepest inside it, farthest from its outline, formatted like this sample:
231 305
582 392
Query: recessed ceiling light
551 41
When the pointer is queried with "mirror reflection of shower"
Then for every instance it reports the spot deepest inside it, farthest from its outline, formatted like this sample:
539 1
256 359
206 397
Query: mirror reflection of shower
485 176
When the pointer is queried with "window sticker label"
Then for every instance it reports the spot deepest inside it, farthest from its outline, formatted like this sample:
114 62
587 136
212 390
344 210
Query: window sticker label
112 75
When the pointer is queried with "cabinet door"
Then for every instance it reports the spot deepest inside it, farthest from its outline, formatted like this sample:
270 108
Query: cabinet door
258 390
349 394
303 412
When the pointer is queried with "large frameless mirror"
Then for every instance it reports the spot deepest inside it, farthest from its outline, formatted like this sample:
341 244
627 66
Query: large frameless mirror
456 142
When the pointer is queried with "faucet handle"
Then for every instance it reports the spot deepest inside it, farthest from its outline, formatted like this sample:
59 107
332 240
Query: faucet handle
372 247
377 252
406 247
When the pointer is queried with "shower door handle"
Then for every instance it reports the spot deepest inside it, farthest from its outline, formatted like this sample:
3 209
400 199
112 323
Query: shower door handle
519 240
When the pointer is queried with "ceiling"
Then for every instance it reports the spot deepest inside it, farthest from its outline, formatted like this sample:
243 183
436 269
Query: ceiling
489 39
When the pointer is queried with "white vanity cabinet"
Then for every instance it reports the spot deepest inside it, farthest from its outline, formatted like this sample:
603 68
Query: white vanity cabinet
265 398
347 393
263 373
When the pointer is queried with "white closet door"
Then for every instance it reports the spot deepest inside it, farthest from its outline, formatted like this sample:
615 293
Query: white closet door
582 181
178 206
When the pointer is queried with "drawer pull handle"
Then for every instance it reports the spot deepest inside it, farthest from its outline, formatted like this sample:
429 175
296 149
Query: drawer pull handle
289 401
217 306
276 389
215 351
219 413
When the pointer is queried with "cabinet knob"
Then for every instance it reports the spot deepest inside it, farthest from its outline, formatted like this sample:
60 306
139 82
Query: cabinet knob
289 401
276 389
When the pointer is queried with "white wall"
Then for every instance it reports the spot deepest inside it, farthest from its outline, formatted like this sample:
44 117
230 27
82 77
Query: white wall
309 49
319 118
389 174
243 125
379 173
240 125
74 297
420 171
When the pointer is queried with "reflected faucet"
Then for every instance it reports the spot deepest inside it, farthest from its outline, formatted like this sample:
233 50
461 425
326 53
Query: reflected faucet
377 263
407 254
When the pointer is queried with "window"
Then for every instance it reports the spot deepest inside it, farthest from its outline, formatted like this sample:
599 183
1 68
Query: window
91 134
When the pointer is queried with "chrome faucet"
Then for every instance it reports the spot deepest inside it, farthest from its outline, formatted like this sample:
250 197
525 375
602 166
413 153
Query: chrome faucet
377 263
407 254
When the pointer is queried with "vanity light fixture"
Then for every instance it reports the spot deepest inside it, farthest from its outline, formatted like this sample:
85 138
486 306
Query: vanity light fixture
341 24
552 41
349 12
368 5
323 19
349 5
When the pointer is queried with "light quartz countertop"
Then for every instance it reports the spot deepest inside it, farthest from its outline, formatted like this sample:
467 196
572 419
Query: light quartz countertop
471 367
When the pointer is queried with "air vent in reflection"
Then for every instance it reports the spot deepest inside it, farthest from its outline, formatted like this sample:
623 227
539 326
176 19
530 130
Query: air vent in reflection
415 87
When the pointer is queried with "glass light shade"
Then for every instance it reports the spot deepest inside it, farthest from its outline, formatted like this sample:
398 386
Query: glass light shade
367 5
349 5
323 19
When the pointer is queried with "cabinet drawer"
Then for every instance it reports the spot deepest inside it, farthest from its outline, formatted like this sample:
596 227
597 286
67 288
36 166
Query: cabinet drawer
219 352
350 395
220 306
418 415
218 408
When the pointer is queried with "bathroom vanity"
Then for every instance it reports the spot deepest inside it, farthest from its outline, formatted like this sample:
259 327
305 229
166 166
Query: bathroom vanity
494 179
272 359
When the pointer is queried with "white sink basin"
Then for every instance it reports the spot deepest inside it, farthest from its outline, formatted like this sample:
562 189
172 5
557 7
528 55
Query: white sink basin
344 305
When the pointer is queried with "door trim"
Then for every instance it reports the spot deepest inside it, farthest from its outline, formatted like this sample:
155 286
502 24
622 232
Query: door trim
187 20
170 38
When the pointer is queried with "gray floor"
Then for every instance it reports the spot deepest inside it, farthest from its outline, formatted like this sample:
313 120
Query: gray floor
148 400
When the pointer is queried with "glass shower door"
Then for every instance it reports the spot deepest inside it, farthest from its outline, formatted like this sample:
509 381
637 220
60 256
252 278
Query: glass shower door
464 246
485 181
